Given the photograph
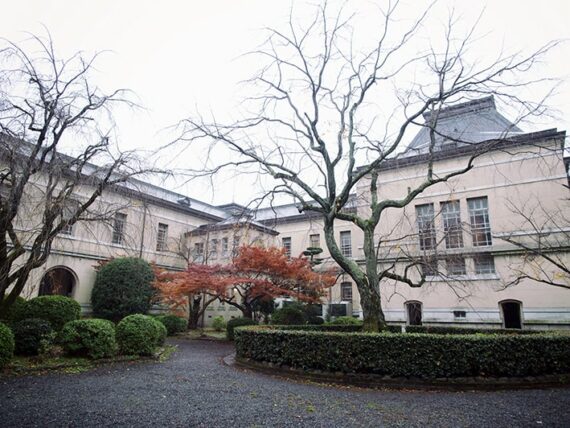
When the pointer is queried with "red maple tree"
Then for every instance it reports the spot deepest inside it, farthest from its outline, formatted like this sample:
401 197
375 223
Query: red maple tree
255 274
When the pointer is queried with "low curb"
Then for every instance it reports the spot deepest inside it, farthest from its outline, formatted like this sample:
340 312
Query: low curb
373 381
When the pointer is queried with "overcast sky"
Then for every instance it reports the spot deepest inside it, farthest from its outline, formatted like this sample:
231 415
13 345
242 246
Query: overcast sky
183 56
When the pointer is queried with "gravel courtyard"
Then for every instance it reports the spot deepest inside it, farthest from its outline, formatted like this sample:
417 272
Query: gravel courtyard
195 389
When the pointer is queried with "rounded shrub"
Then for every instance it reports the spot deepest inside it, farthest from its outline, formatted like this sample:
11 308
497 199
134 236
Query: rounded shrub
237 322
173 324
57 310
14 311
219 323
6 345
346 321
31 336
93 338
123 287
139 335
315 320
289 315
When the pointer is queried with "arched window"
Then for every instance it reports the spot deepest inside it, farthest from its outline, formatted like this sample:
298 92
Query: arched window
414 312
511 312
58 280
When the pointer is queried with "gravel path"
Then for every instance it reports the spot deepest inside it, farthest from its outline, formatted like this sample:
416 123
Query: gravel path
195 389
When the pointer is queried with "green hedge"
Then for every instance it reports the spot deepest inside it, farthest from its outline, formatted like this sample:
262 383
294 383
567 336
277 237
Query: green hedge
122 287
237 322
408 355
6 345
140 335
465 330
346 321
31 335
173 324
344 328
57 310
14 311
93 338
288 315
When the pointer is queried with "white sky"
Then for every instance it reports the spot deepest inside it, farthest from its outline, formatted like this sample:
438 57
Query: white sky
182 56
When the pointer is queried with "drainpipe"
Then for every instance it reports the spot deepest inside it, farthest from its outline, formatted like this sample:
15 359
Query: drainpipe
143 230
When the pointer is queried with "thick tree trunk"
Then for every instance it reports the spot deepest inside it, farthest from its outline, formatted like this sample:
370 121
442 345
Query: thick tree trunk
366 281
194 312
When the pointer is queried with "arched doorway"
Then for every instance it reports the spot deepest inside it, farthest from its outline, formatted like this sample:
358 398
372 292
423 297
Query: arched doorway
414 312
511 310
58 280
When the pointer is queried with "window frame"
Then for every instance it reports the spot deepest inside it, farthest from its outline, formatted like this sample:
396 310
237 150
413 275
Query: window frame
162 237
119 225
425 223
480 230
344 287
286 243
451 219
346 244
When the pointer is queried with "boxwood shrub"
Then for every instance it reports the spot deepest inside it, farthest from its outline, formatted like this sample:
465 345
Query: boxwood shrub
122 287
93 338
57 310
346 321
465 330
14 311
173 324
288 315
237 322
408 355
31 336
6 344
139 335
346 328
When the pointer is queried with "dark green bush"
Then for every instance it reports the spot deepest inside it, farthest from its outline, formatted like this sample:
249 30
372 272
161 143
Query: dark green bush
237 322
324 327
31 336
408 355
465 330
122 287
93 338
219 324
346 321
173 324
288 315
14 311
314 320
6 345
139 335
57 310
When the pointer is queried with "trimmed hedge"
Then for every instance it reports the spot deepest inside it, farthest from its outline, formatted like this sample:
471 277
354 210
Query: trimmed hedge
14 311
219 323
173 324
288 315
140 335
344 328
6 344
57 310
123 287
346 321
94 338
237 322
465 330
30 335
408 355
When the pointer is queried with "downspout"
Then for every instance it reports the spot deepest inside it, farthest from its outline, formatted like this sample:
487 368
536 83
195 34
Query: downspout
143 230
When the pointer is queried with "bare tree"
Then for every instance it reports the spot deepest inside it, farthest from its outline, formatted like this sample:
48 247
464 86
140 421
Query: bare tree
316 111
49 106
543 238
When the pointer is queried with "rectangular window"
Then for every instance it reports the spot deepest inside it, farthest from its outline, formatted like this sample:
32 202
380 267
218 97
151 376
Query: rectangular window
429 266
479 217
455 265
346 291
452 224
235 246
162 237
346 243
69 209
426 226
119 226
315 240
484 264
213 249
286 243
199 251
459 314
225 247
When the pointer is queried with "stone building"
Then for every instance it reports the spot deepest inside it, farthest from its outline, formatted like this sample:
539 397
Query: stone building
457 236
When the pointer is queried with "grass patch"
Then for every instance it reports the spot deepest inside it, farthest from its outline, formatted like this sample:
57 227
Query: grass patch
204 333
